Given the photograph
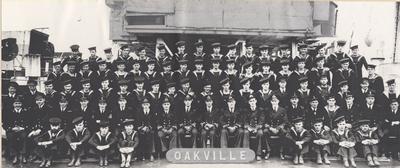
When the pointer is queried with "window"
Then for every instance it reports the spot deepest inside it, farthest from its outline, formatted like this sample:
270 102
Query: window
146 20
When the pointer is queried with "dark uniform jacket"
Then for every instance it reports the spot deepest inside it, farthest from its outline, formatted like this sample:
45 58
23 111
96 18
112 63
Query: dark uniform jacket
75 136
187 117
52 98
56 137
120 114
294 112
230 118
294 136
263 99
320 135
344 75
277 118
390 116
13 118
312 114
57 81
352 114
210 117
333 60
166 120
29 99
147 120
253 118
375 115
98 140
42 115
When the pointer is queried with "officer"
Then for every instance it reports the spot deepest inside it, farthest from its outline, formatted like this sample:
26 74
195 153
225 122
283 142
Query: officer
146 124
17 124
188 121
167 126
229 121
252 120
210 115
275 126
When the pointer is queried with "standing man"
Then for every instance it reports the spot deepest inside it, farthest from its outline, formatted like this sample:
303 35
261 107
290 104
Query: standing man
391 93
332 62
180 55
93 59
29 97
125 50
357 62
109 57
76 56
199 54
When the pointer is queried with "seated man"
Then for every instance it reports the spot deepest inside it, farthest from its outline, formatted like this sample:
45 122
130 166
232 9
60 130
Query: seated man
77 139
391 127
252 121
230 128
103 142
276 121
188 120
368 140
166 126
299 139
209 123
320 141
48 143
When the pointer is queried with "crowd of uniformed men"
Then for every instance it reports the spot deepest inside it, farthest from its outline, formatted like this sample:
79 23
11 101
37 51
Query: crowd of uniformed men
140 107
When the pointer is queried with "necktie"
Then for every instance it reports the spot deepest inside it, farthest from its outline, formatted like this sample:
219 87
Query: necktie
346 73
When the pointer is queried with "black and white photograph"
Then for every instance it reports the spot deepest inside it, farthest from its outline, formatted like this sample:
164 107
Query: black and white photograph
200 83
